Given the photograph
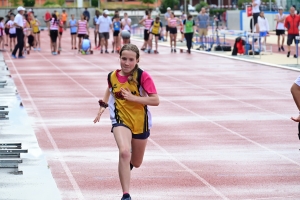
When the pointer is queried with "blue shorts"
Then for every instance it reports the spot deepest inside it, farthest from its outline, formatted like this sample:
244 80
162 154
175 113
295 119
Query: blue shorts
141 136
263 34
85 47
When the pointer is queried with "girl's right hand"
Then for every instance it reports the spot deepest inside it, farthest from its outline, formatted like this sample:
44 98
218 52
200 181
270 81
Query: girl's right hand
97 119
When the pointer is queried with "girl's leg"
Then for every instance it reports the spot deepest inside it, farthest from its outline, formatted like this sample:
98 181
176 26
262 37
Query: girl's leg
75 38
138 147
282 40
59 41
278 41
174 40
10 43
171 40
123 137
79 43
150 42
72 41
156 43
39 40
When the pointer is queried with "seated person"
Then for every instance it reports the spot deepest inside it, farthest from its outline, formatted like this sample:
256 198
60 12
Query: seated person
86 47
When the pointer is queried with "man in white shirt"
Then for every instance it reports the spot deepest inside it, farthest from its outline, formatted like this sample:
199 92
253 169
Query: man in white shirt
18 23
255 14
104 24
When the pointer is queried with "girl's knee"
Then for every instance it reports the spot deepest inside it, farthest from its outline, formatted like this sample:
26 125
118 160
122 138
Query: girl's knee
125 154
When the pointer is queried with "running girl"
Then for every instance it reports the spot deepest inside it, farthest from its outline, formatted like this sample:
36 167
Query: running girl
155 30
36 32
189 27
73 30
2 33
60 31
12 32
147 23
172 23
116 28
128 100
53 33
83 28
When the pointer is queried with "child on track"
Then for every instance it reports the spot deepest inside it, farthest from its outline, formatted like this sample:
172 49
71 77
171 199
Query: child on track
12 32
60 31
128 100
36 32
96 35
116 33
83 29
189 29
26 31
86 47
73 30
53 33
147 23
172 23
155 31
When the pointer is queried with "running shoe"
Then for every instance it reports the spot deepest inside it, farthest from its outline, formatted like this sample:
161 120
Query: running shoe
13 56
101 51
174 50
282 48
126 197
21 57
279 49
112 51
83 52
75 48
295 56
288 54
155 51
106 51
143 49
171 50
54 53
149 50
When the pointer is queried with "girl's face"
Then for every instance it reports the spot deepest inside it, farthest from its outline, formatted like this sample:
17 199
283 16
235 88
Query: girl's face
262 14
12 17
72 16
82 17
128 61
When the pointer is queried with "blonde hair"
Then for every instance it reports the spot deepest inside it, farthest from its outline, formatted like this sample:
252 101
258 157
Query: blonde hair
133 74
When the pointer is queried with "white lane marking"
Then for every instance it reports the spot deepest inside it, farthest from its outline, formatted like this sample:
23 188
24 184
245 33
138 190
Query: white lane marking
54 145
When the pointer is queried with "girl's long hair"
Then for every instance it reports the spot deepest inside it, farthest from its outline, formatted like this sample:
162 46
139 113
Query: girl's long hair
55 17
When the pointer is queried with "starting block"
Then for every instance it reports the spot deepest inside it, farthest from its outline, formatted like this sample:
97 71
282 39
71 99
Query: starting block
10 156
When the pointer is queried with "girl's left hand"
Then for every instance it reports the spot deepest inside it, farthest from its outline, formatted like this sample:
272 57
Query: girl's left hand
127 94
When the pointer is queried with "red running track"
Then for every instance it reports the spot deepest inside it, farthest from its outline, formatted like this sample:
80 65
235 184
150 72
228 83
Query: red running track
222 130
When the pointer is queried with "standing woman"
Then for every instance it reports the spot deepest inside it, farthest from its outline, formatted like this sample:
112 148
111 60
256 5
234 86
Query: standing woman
129 93
36 32
280 29
189 28
18 23
73 30
172 23
147 21
83 29
12 32
53 33
96 35
263 26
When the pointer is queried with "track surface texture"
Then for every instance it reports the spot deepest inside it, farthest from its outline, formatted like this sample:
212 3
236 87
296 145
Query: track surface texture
221 131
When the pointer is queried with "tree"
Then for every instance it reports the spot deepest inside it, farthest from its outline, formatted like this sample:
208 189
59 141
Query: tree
168 3
28 3
148 2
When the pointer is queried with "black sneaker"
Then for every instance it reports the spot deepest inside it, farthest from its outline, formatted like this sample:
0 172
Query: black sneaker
288 54
112 51
279 49
101 51
106 51
131 166
295 56
149 50
282 48
174 50
171 50
126 197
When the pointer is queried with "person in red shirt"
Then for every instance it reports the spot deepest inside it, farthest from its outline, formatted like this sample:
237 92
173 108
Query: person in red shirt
60 31
292 23
47 18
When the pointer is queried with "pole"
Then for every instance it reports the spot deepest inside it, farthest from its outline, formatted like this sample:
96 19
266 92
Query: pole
185 10
270 4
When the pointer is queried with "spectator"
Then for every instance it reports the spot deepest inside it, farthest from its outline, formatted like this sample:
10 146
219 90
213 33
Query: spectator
292 23
203 22
96 35
86 13
263 26
280 30
224 24
255 14
167 17
47 18
104 24
64 17
19 24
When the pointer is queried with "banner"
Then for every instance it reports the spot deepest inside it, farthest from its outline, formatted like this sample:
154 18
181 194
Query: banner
249 11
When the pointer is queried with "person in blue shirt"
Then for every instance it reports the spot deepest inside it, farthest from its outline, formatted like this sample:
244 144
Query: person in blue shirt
73 31
116 29
86 47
